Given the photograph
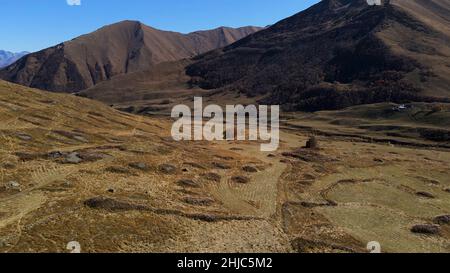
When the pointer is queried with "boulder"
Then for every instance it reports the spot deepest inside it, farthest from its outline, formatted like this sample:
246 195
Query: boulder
12 185
112 204
212 177
187 183
425 194
312 143
167 169
442 220
140 166
80 138
24 137
249 169
426 229
73 158
55 155
221 166
8 165
117 169
197 201
240 179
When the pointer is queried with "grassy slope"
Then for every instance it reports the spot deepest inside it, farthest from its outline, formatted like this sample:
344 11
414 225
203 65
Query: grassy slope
158 213
283 208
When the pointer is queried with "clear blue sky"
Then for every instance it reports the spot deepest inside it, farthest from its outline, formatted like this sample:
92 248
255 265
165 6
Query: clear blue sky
31 25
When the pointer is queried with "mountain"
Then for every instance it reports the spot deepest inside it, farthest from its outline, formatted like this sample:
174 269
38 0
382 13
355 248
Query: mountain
339 53
120 48
7 58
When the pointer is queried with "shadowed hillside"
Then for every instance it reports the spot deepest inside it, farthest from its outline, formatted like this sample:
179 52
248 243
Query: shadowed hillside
339 53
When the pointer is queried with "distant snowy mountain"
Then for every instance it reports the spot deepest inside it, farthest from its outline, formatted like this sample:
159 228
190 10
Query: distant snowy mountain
7 58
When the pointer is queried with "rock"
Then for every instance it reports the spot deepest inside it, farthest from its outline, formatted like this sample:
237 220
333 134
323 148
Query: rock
81 139
308 176
12 185
55 155
47 101
249 169
442 220
429 180
425 194
8 166
28 156
66 184
140 166
24 137
198 201
312 143
88 156
111 204
227 158
73 158
3 243
240 179
111 191
425 229
212 177
447 190
271 155
221 166
117 169
187 183
167 169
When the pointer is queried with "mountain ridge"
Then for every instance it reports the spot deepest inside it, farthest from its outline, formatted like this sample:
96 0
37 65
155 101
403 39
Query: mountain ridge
127 46
353 53
7 57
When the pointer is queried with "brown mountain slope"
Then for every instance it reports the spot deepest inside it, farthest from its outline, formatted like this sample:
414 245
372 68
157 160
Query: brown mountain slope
154 90
112 50
339 53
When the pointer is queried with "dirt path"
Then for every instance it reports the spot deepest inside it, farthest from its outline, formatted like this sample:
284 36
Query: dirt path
257 198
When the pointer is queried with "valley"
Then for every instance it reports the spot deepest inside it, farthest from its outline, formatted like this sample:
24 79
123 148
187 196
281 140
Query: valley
125 186
87 156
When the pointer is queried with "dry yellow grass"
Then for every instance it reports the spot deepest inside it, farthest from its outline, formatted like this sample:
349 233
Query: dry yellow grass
335 199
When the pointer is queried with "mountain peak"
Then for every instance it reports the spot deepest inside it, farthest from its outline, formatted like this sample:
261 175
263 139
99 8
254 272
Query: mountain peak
7 58
120 48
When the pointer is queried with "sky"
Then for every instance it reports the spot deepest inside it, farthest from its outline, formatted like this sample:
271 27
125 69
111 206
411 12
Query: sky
31 25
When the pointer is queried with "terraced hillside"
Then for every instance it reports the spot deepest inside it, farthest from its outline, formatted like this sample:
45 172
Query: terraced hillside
73 169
